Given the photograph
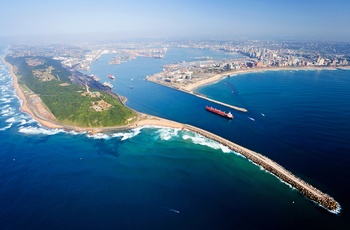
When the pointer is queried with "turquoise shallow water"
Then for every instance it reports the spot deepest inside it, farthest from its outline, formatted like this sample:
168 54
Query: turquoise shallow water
164 178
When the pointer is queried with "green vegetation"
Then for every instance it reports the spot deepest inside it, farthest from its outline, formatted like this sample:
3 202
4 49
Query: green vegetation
66 101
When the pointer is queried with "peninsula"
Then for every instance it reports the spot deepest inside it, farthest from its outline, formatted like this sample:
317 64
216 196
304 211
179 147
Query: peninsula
32 104
60 96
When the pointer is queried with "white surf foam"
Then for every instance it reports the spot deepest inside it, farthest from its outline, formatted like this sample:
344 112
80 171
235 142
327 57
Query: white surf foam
98 136
5 111
38 130
5 100
167 133
131 134
201 140
73 132
17 118
23 122
6 127
122 135
6 95
5 107
10 120
8 113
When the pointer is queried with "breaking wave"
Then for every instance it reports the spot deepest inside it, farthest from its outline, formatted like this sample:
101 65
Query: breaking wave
74 133
39 130
6 100
162 133
5 107
167 133
201 140
99 136
7 112
122 135
6 127
10 120
132 133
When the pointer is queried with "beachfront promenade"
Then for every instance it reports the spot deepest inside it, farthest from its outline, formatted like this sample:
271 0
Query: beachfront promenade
304 188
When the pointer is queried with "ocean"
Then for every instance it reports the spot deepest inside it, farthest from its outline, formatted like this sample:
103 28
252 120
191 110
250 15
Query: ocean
162 178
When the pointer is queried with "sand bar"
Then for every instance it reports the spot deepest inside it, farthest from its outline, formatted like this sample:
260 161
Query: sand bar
156 121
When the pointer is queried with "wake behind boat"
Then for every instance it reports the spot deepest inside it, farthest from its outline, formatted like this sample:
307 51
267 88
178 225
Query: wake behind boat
219 112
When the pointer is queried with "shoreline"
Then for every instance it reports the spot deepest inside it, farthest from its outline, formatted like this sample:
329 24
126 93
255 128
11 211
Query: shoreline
190 88
143 120
218 77
24 103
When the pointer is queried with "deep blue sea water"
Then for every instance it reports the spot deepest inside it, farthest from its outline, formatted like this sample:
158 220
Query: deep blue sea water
159 178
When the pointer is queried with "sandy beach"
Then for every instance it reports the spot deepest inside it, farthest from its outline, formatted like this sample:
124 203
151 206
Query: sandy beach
24 102
156 121
190 88
218 77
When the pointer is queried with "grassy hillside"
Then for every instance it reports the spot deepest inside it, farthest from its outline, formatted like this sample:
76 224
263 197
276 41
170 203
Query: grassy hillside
66 101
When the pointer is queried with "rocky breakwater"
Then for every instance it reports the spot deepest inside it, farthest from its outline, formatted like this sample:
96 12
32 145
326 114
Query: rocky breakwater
303 187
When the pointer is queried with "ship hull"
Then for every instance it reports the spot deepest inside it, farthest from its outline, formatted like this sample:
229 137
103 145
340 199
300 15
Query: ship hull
219 112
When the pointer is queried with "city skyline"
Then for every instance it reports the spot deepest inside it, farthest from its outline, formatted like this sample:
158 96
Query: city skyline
105 19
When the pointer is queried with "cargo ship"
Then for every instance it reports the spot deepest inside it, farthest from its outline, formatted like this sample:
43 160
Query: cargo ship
219 112
110 76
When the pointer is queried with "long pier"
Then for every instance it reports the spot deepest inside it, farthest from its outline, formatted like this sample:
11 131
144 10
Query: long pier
199 95
303 187
220 103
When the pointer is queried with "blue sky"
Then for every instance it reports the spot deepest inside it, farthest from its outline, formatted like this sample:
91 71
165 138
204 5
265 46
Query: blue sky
309 19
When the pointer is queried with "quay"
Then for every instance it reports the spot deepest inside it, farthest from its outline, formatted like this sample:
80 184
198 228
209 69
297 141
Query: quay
303 187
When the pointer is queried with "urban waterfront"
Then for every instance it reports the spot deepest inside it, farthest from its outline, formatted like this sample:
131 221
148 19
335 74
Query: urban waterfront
165 178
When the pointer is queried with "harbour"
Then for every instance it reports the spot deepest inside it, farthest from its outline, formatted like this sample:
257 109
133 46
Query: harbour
206 179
